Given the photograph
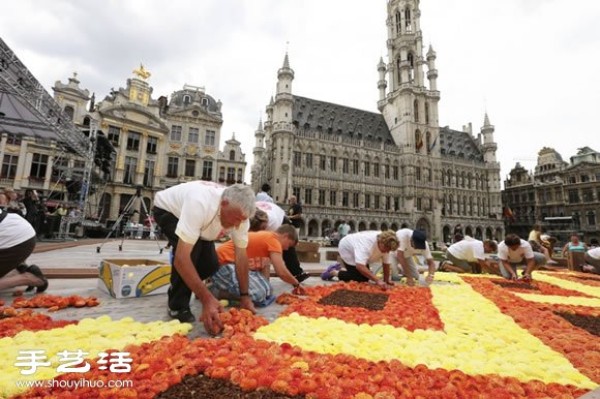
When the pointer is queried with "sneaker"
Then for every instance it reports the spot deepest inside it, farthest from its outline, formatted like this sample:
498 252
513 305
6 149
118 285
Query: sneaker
183 315
328 273
302 276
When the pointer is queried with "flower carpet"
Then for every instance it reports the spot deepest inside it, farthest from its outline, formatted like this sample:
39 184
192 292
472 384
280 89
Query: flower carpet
465 336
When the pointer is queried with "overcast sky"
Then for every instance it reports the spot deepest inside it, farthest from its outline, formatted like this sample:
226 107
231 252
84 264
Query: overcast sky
533 65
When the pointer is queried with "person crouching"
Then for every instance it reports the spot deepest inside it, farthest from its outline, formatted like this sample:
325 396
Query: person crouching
264 248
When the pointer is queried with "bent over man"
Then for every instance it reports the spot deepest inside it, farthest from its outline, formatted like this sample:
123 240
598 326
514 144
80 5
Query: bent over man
192 215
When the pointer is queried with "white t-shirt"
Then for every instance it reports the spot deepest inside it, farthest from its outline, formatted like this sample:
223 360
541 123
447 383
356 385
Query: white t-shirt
594 253
14 230
274 212
523 252
404 244
468 249
264 197
196 204
361 248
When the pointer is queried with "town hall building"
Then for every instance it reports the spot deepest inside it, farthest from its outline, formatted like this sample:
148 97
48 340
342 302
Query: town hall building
386 169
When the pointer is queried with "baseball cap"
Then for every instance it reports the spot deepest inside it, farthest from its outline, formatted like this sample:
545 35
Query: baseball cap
419 237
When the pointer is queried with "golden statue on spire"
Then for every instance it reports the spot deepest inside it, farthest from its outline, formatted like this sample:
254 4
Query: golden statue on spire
142 72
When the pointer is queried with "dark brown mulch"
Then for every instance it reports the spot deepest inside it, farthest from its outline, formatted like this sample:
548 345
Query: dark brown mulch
589 323
588 278
201 387
522 286
355 299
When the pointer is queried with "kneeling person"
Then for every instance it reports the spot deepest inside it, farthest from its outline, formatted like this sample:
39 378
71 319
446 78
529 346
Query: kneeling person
468 256
592 258
514 251
264 247
357 251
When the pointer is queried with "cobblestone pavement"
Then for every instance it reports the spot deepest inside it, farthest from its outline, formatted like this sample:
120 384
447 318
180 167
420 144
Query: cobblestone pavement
145 309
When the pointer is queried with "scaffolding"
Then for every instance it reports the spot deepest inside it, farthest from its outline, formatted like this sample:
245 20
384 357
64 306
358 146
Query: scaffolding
45 120
52 122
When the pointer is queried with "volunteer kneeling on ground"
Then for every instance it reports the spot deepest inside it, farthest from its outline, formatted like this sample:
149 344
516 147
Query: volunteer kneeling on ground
468 256
270 217
592 257
264 248
412 243
17 241
357 251
514 251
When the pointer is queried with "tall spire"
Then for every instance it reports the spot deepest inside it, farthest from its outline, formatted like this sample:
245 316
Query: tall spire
486 120
286 61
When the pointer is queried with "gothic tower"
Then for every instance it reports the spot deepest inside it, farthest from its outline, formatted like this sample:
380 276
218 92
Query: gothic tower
489 148
410 108
258 152
282 133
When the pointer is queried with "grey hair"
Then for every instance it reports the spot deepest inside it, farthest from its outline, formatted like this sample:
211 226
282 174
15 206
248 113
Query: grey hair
242 197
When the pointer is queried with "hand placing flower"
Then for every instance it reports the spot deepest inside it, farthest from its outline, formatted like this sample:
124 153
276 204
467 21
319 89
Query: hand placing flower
299 290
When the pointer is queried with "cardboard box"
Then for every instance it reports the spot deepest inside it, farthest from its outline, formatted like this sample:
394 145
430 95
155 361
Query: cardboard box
306 246
131 278
309 257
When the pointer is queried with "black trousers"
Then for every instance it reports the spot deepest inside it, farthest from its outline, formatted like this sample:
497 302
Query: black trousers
12 257
204 258
290 257
351 274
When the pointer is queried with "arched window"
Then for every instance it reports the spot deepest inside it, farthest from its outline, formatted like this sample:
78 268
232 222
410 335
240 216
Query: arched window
443 177
69 111
205 102
187 99
427 112
410 59
398 22
416 110
450 204
449 178
407 20
398 61
232 155
418 140
86 121
428 142
462 179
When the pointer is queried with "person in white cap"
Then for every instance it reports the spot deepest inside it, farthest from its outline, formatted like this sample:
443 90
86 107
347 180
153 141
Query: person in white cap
414 242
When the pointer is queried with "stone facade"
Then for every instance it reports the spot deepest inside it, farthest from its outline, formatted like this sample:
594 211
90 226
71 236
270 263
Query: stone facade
158 142
381 170
562 196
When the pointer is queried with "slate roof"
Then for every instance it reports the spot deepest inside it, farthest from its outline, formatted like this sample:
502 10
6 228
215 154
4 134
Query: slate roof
343 120
459 144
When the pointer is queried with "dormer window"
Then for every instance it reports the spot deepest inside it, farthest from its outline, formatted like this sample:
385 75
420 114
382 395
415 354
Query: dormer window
187 99
205 102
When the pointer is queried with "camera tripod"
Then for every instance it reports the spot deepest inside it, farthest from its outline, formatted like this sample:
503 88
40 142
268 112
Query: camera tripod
129 211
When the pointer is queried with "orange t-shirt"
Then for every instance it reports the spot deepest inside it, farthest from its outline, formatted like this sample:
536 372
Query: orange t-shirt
260 245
